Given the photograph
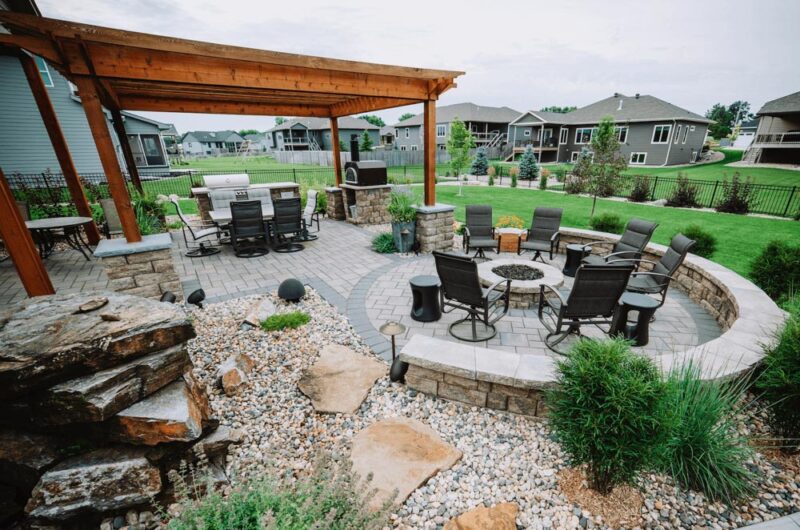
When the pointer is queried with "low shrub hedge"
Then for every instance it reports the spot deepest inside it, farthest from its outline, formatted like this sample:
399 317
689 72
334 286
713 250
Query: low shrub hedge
384 243
705 242
607 222
279 321
776 270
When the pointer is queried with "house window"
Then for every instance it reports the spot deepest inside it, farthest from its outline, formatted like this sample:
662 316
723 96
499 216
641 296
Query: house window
402 148
638 158
574 156
661 134
622 134
563 136
414 148
408 133
685 133
442 147
527 132
584 135
46 77
441 131
147 150
678 133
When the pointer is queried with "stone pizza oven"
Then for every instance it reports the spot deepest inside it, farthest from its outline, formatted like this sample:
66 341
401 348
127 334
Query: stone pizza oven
97 403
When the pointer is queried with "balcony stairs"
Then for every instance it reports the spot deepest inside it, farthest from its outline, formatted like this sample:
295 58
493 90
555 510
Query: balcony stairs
752 155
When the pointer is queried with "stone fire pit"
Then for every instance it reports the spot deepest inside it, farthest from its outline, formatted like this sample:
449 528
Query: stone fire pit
524 293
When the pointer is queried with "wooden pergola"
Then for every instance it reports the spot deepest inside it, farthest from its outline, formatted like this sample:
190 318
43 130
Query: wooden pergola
125 70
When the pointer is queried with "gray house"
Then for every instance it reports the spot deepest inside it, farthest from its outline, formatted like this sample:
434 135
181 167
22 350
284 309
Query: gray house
25 145
211 142
260 142
489 126
314 134
651 131
387 136
777 139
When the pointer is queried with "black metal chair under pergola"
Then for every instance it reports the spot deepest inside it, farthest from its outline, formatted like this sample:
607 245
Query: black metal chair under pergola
287 224
249 233
543 235
479 230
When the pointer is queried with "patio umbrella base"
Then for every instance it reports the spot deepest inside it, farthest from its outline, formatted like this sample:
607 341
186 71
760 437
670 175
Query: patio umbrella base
471 329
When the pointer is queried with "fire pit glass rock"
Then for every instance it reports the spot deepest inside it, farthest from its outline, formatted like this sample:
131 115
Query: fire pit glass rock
518 271
526 279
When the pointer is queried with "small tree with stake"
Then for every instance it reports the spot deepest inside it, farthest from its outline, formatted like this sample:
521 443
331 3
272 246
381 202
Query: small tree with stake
459 144
366 142
480 166
608 163
528 167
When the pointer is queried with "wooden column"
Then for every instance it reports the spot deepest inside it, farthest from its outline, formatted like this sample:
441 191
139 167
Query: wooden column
108 157
59 142
337 152
127 152
19 244
429 151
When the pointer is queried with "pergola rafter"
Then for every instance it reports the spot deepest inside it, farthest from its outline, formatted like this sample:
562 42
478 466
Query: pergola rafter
125 70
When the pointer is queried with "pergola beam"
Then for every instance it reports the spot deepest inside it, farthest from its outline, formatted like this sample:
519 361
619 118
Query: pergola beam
217 107
336 148
429 151
366 104
127 152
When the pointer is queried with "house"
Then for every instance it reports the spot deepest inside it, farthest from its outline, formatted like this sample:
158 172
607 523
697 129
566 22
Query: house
259 142
25 146
387 136
314 134
651 131
777 139
211 142
746 133
489 126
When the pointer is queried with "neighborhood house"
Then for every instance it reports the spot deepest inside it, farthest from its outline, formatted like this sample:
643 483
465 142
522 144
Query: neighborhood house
314 134
777 139
211 142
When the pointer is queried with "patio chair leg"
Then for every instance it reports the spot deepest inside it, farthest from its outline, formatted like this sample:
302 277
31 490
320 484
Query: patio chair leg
473 337
202 250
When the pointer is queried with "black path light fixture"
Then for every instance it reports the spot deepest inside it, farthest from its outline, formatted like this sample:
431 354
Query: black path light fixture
398 370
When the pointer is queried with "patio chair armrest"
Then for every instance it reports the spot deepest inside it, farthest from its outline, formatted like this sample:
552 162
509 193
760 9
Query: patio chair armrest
590 246
555 237
545 287
629 260
655 274
495 285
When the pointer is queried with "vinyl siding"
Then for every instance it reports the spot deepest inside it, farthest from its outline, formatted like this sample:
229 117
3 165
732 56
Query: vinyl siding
414 138
344 135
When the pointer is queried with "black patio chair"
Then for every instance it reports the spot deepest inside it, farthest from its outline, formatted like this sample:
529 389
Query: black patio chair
592 300
461 289
479 230
543 235
629 247
249 233
288 224
656 281
197 233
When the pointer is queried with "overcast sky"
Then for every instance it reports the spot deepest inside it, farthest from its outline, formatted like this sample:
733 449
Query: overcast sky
520 54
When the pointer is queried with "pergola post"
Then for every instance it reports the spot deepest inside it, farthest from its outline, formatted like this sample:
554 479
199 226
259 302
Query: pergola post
127 152
429 151
59 143
336 148
19 244
108 157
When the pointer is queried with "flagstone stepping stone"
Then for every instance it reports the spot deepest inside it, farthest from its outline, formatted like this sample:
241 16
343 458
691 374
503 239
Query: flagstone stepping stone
340 379
261 310
499 517
401 454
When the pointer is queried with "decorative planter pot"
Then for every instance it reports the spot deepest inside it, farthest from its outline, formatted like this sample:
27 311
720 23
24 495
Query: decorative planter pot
508 238
403 243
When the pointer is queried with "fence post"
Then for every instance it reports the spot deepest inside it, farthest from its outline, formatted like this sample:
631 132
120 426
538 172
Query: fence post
655 184
294 175
713 194
789 202
404 172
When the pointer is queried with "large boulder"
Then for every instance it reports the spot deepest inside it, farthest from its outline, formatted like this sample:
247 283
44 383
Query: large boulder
499 517
401 454
340 379
50 339
233 372
100 481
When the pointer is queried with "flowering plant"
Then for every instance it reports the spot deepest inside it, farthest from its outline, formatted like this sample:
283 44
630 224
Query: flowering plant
509 221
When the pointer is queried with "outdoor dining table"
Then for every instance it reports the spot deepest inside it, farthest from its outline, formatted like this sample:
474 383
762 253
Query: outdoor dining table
48 232
223 216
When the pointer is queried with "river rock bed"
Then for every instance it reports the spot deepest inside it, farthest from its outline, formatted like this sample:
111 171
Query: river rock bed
506 457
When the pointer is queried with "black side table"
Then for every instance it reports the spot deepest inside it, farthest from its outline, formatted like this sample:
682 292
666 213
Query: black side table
639 332
425 291
575 253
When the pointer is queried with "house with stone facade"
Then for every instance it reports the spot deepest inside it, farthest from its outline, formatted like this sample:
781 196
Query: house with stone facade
314 134
651 131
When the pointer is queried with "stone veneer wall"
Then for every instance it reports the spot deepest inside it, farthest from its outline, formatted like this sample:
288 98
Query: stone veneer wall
528 402
371 204
435 227
335 207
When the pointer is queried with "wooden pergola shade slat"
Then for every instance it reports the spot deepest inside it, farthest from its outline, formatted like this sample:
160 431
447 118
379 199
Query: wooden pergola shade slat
125 70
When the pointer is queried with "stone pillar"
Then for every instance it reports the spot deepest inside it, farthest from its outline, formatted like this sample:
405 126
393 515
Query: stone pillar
335 209
371 204
204 206
435 227
143 269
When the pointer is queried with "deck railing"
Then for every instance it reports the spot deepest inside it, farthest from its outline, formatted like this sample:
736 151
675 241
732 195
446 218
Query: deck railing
789 139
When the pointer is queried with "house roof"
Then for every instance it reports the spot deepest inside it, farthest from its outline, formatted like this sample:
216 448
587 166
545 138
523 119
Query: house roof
541 116
752 124
257 137
387 130
786 104
168 127
465 112
321 124
636 108
213 136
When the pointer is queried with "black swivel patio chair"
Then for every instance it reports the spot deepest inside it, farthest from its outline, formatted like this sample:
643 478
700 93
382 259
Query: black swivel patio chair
629 247
249 233
592 300
479 230
197 233
461 289
288 224
656 281
543 235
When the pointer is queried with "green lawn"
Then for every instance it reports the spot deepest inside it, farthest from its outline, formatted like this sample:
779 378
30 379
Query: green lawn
739 238
238 162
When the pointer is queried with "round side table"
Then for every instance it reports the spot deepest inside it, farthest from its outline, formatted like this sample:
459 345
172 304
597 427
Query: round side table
638 332
425 293
575 253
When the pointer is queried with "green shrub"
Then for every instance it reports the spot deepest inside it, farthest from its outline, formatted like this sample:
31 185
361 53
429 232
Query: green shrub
704 450
384 243
280 321
737 196
400 207
528 167
705 242
491 179
480 165
640 192
685 193
543 181
330 497
606 411
607 222
780 380
513 179
776 270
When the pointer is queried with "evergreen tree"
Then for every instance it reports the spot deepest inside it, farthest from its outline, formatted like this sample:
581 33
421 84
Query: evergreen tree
480 166
528 168
607 163
366 142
